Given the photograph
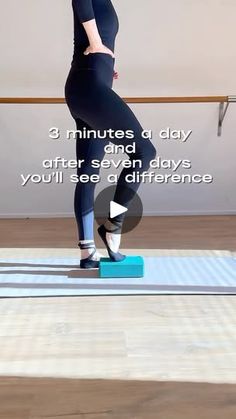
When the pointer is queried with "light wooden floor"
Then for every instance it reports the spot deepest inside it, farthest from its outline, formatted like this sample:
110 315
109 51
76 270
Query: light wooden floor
157 357
185 345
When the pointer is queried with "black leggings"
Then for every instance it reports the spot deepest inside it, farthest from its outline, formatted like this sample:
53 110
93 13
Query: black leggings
94 105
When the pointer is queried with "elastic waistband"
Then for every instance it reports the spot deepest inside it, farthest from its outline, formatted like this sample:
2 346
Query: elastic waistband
92 61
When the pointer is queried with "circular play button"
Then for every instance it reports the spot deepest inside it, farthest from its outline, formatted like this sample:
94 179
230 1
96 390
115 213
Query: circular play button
106 204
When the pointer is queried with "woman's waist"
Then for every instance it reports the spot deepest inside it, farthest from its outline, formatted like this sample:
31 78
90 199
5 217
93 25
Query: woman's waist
97 61
98 66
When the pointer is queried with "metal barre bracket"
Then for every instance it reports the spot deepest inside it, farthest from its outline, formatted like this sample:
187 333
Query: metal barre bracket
231 98
222 112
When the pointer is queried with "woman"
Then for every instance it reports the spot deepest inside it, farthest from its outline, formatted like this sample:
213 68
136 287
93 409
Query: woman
94 105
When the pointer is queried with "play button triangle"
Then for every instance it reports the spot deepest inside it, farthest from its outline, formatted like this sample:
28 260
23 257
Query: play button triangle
116 209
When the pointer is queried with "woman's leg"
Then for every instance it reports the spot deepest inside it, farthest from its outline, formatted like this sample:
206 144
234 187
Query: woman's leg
87 150
100 108
106 110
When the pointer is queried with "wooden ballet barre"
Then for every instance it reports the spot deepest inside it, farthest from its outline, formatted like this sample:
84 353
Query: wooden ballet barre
223 101
177 99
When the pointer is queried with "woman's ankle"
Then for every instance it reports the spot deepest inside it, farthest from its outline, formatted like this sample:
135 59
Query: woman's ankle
87 247
113 234
113 226
113 241
85 253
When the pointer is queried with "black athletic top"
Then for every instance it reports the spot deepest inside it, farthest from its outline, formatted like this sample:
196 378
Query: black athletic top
106 19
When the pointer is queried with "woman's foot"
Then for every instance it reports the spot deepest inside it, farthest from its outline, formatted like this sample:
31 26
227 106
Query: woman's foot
89 256
110 234
87 252
113 239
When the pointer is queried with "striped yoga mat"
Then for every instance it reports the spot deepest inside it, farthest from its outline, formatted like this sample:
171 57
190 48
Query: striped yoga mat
55 272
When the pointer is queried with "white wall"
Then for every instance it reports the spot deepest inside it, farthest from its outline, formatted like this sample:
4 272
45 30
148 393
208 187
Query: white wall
167 47
164 47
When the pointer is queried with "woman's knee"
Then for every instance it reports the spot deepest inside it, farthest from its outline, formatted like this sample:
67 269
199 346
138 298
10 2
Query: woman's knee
146 154
151 151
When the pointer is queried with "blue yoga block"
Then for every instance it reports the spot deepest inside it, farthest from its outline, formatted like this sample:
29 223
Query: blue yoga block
130 267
